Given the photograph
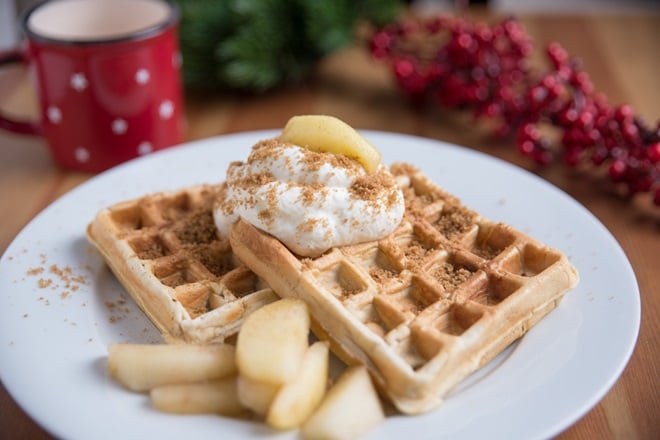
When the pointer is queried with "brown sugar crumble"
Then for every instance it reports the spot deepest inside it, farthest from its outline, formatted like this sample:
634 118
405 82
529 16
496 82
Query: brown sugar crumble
312 192
119 310
369 187
35 271
450 276
454 220
67 276
64 278
486 251
149 251
417 203
347 291
313 223
381 275
415 253
198 227
217 261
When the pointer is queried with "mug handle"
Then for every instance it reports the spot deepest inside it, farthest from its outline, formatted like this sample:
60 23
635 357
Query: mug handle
7 123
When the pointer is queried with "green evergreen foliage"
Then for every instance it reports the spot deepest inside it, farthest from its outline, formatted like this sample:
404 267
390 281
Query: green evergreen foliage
259 44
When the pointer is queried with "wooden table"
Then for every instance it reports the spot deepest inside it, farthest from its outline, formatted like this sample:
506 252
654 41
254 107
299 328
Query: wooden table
622 55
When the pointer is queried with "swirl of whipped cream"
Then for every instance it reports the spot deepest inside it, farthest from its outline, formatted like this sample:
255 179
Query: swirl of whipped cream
310 201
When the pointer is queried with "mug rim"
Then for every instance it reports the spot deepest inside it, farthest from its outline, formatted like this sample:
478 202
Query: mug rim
173 17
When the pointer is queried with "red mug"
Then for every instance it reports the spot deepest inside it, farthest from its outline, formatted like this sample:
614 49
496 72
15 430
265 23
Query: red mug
107 76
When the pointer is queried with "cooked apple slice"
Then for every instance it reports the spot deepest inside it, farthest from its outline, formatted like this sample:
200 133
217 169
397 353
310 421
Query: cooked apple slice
298 398
140 367
272 341
218 397
255 394
350 408
329 134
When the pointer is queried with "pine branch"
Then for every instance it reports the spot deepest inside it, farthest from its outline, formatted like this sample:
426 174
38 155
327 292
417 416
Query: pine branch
260 44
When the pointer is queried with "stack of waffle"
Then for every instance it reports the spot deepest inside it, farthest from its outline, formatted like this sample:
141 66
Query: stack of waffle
422 308
429 304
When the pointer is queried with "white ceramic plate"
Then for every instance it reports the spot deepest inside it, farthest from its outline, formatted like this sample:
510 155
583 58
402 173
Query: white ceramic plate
60 307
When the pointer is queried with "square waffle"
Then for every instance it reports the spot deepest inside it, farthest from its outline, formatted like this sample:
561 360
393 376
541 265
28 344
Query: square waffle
429 304
166 252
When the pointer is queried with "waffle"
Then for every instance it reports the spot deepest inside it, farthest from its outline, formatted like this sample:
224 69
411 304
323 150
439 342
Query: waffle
165 251
429 304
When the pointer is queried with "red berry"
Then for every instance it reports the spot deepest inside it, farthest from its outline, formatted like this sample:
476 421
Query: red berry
572 156
465 41
630 132
557 54
582 81
542 156
548 81
623 113
529 131
564 72
557 89
599 156
571 136
483 33
526 148
492 109
585 119
403 68
653 152
618 169
567 116
381 41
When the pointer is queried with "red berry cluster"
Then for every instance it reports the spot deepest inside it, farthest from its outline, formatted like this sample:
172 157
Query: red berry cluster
554 114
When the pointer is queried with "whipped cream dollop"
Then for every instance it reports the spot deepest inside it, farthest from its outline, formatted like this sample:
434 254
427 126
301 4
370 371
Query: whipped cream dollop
311 201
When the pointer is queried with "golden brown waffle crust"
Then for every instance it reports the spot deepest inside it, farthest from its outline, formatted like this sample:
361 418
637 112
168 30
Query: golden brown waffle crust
418 337
187 302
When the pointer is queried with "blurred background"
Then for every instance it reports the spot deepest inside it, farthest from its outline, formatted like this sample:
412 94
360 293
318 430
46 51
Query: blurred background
9 9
